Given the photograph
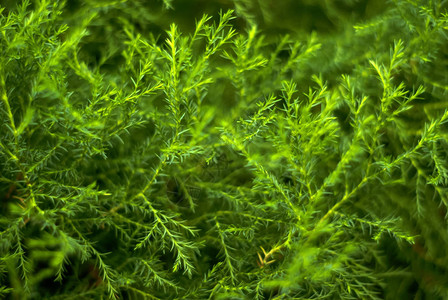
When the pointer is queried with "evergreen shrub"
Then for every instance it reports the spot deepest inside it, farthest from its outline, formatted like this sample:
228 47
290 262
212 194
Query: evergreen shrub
223 149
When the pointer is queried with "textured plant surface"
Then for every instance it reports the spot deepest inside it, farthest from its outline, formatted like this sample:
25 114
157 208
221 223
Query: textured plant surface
223 149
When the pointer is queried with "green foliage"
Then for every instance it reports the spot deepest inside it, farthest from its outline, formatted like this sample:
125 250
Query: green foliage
240 155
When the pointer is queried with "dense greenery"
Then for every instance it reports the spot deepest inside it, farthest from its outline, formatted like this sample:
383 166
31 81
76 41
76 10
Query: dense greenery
224 149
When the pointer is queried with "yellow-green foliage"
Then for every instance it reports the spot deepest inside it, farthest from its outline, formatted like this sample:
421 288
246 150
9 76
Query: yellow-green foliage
223 149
